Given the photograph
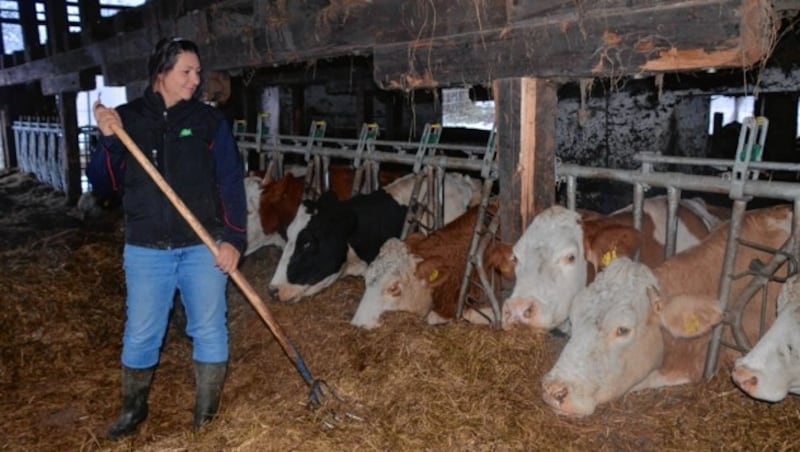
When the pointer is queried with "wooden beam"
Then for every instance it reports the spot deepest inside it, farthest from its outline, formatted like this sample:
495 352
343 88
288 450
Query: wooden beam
593 41
525 117
65 83
428 43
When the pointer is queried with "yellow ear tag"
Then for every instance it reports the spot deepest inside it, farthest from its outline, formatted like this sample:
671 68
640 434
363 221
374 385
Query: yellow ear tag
609 256
691 324
434 275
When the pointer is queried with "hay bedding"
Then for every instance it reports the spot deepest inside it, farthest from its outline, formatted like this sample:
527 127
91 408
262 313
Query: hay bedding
404 386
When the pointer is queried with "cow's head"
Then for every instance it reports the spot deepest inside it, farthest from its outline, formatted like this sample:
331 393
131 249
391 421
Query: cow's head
279 203
559 253
771 370
549 268
398 280
316 248
619 323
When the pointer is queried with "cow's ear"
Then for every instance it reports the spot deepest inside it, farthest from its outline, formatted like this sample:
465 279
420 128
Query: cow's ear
434 271
609 243
689 315
414 238
500 256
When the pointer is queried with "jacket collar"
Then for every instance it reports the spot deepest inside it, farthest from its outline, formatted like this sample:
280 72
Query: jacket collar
155 102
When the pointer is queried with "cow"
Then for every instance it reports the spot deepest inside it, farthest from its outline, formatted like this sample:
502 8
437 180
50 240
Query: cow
280 198
256 238
330 238
636 328
561 251
421 274
771 370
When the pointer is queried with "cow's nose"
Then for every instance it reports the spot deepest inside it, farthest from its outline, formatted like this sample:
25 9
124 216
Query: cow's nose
518 311
555 392
744 379
272 291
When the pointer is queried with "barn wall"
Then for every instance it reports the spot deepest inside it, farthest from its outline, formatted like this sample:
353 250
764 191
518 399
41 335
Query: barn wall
339 110
609 130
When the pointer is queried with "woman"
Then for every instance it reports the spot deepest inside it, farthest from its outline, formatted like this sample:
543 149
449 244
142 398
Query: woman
192 146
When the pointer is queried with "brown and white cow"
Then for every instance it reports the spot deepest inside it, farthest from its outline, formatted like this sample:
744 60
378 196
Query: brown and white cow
561 251
771 370
256 238
421 275
636 328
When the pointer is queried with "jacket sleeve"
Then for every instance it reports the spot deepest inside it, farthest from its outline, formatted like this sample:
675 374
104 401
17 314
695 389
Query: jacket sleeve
106 168
230 181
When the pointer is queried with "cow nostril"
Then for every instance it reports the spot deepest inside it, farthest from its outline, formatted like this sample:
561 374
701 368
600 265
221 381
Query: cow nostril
529 312
561 394
272 291
556 392
751 382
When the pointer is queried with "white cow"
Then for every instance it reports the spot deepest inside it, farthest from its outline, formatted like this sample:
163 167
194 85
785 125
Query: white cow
636 328
771 369
561 251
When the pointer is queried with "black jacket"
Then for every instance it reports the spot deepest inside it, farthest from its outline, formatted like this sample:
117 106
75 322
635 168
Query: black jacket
192 146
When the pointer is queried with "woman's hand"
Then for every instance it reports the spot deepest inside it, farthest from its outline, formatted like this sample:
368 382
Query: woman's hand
227 258
105 118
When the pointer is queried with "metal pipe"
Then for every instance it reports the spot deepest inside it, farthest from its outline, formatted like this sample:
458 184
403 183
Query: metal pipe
726 279
673 198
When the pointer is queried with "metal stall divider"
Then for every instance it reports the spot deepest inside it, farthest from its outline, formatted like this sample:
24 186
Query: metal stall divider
485 232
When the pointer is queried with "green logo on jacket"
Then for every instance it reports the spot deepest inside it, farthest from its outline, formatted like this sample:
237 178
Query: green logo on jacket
185 133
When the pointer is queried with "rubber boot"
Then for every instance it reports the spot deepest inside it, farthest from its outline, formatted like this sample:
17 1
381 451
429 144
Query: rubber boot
135 389
209 378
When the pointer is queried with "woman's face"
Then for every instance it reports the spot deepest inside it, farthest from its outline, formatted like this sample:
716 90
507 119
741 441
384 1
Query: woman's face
180 82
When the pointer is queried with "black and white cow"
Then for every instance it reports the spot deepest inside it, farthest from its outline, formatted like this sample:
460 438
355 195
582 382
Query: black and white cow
329 238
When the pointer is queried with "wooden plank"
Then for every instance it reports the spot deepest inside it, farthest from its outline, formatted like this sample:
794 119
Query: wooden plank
683 36
429 43
526 145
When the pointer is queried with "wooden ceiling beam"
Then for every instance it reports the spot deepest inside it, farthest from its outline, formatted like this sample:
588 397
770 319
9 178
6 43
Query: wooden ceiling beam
417 44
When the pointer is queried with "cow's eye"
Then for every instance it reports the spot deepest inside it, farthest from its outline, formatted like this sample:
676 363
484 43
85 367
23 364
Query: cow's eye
623 331
514 259
569 259
394 289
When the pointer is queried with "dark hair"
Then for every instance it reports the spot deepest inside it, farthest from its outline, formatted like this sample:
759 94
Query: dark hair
166 54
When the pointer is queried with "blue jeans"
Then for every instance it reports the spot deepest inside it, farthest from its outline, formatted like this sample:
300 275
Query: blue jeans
152 277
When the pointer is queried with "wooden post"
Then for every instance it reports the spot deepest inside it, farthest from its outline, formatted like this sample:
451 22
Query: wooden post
30 29
57 27
781 110
525 117
90 18
69 146
299 121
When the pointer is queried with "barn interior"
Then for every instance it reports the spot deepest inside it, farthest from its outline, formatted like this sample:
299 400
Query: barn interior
592 84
